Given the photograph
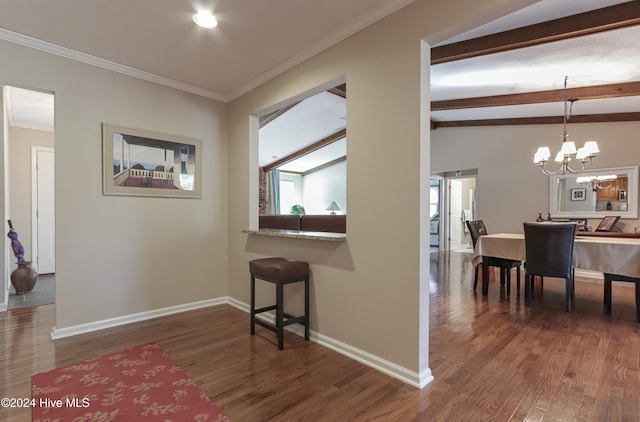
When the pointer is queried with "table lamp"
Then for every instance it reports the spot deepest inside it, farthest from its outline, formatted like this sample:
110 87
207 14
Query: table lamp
333 207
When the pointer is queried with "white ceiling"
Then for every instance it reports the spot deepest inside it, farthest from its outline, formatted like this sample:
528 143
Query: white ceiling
253 42
112 34
308 122
29 109
597 59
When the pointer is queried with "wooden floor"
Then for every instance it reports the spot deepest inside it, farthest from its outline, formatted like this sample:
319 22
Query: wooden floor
492 358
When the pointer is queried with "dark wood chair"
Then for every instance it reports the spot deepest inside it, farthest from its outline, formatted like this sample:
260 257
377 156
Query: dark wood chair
549 252
477 229
608 278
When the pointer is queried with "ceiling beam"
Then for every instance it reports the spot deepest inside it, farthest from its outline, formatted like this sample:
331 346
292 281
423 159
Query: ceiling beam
628 89
268 118
612 17
325 165
585 118
304 151
340 90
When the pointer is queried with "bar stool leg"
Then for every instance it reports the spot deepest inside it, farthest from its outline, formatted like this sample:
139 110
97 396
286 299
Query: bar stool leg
280 315
253 305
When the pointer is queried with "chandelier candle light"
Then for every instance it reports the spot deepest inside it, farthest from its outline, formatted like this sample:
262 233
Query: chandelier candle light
568 150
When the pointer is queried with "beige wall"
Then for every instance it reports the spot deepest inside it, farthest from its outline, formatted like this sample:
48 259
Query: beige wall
116 255
371 291
511 189
4 202
20 142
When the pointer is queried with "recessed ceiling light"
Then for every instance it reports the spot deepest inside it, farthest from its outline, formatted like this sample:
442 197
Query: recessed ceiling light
205 19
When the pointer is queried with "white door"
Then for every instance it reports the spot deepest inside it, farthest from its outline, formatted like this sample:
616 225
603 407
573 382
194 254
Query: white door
455 214
43 236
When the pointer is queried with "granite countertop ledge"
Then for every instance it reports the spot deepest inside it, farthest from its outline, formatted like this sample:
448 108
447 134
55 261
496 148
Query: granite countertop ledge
332 237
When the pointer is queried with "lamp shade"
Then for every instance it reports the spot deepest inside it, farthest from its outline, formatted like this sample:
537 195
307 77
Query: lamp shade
568 148
333 207
542 154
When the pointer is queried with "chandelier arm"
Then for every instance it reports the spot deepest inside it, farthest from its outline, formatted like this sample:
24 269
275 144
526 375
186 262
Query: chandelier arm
549 172
586 163
575 171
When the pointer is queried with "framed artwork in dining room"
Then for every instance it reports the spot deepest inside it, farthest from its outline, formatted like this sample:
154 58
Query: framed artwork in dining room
579 194
608 223
139 162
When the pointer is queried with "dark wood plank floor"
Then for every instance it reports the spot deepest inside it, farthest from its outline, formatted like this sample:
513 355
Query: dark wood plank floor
493 359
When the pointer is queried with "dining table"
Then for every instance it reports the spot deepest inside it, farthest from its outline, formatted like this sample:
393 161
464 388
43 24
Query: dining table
614 255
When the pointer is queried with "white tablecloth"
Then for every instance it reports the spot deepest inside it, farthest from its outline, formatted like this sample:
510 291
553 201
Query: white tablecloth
602 254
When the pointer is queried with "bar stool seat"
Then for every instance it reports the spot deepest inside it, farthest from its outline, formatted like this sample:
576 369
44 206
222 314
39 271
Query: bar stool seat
280 272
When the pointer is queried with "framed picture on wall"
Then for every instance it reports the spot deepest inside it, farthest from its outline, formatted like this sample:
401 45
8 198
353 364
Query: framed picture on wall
579 194
144 163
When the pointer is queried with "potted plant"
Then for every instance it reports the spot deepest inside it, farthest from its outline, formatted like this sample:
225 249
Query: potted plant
297 210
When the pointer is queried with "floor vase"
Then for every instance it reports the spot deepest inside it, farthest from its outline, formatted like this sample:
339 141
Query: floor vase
24 278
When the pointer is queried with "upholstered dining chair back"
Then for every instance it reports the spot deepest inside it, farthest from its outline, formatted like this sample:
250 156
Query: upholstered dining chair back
476 229
549 249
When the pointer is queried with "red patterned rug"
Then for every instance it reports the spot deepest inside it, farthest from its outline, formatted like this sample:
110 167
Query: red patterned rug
139 384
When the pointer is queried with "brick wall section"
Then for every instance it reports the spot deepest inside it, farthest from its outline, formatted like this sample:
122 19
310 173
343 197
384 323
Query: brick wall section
262 191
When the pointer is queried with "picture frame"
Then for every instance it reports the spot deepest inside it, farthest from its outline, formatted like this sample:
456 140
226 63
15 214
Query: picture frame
622 195
139 162
608 223
579 194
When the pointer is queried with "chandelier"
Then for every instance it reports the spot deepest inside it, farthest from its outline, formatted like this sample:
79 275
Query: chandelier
568 150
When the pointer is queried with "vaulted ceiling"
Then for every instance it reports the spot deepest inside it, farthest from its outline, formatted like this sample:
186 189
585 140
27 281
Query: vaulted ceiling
516 76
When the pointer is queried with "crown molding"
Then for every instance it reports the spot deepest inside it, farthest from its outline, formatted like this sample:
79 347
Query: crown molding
68 53
375 15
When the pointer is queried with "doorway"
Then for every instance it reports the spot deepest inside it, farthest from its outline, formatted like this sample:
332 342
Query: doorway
459 203
31 193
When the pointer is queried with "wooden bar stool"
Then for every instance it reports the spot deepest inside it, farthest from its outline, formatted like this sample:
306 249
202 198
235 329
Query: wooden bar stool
279 271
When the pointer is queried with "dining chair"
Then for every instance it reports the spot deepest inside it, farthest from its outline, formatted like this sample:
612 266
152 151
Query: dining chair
477 229
549 252
608 278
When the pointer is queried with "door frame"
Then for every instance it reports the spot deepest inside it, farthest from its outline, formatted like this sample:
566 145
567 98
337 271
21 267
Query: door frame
467 174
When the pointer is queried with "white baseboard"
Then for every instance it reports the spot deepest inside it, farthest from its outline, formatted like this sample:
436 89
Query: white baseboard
418 380
57 333
394 370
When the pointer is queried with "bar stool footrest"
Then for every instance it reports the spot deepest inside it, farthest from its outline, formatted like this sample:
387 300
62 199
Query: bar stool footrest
265 309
